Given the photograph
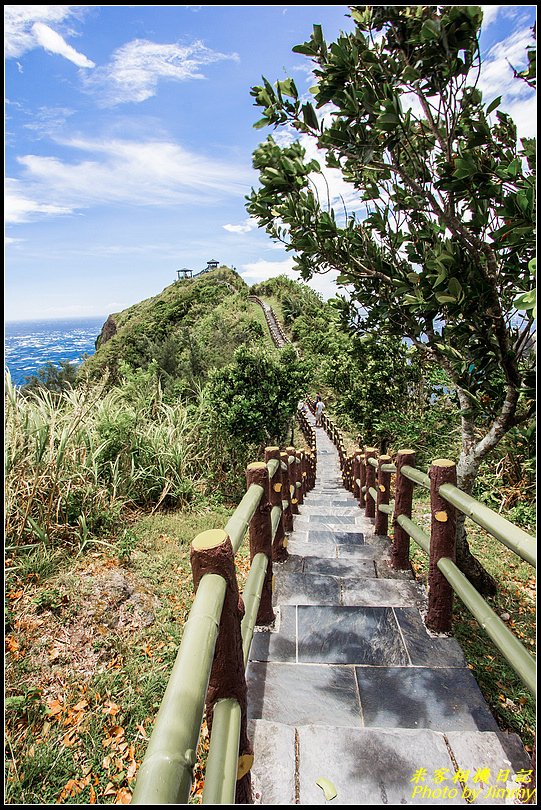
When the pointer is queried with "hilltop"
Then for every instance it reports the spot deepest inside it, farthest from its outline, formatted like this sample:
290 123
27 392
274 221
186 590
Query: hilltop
192 326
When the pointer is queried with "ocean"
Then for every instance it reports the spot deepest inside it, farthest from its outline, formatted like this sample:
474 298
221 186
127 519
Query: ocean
30 345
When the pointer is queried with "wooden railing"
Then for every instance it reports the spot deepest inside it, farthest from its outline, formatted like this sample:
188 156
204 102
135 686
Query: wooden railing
209 671
369 476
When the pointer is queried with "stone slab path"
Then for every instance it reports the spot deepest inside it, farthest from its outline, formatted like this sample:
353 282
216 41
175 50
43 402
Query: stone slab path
349 685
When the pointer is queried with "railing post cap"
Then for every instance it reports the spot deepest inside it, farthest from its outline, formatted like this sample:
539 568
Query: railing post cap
405 451
270 449
256 465
212 538
384 458
443 462
370 449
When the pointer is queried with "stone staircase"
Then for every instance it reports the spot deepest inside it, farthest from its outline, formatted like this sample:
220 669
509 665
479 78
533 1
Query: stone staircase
349 685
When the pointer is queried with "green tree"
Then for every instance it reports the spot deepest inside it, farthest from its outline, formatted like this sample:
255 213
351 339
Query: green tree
255 397
55 378
442 240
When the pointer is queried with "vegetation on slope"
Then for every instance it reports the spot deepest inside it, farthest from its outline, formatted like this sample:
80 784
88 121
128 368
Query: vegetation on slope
190 328
107 484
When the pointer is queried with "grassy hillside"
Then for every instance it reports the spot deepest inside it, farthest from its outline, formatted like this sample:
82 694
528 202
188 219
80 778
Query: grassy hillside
108 483
191 327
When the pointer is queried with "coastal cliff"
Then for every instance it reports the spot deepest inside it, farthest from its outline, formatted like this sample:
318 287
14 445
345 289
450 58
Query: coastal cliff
108 329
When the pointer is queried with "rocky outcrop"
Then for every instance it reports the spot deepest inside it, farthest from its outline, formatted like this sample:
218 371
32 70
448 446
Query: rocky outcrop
107 331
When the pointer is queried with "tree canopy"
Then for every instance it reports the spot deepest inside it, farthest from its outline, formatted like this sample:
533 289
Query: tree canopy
439 245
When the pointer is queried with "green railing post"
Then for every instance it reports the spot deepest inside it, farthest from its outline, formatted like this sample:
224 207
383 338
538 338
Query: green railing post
212 553
260 536
279 550
381 525
442 544
403 499
223 760
370 507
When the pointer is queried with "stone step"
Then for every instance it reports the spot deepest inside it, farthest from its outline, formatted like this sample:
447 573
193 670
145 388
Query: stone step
317 588
351 696
302 546
321 533
342 523
370 766
369 636
317 509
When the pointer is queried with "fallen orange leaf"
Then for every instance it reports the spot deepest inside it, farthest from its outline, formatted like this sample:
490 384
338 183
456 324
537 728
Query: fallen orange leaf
70 738
54 707
142 731
12 645
123 796
80 706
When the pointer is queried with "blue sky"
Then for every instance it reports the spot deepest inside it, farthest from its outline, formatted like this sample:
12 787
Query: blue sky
129 139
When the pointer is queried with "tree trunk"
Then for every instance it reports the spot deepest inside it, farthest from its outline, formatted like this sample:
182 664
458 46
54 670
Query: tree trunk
470 566
471 456
467 469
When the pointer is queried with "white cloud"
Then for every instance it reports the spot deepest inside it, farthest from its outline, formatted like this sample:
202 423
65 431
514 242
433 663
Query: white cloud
20 207
524 113
247 226
28 27
53 42
49 120
262 270
496 73
490 13
137 67
121 172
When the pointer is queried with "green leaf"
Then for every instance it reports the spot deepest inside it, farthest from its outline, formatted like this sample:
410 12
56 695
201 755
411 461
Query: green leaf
263 122
318 34
329 790
307 49
526 301
442 298
287 86
455 288
493 104
310 117
441 277
430 30
531 266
